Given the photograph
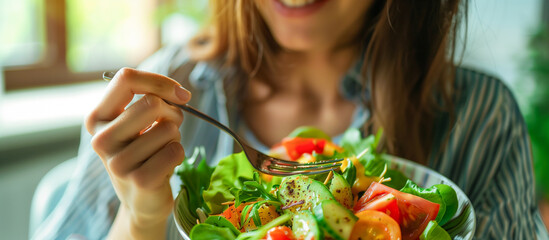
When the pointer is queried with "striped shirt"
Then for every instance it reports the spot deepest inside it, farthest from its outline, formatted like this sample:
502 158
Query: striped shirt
487 153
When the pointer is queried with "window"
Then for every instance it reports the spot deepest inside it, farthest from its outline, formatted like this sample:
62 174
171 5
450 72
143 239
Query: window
50 42
56 41
21 45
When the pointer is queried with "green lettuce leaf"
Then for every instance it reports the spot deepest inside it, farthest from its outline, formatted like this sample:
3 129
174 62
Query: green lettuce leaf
231 172
350 174
309 132
434 232
222 222
206 231
354 144
449 196
195 180
252 191
398 180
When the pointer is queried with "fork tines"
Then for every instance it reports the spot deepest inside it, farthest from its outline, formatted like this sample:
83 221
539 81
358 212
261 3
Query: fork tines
292 168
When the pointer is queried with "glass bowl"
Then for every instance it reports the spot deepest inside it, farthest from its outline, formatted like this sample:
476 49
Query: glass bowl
421 175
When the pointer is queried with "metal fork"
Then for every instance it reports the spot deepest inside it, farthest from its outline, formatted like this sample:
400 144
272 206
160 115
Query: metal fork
260 161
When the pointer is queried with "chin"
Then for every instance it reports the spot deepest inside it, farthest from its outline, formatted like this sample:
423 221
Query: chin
299 38
309 25
298 45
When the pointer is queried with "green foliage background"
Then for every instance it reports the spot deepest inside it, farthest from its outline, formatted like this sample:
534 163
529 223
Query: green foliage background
537 111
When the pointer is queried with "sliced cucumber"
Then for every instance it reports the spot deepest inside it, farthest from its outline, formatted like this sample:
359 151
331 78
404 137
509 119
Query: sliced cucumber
306 227
337 220
341 190
301 192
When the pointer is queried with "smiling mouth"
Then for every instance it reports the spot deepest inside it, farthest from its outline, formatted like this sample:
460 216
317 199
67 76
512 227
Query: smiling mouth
297 3
298 8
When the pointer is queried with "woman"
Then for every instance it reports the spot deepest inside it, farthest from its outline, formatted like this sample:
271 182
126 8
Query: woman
267 67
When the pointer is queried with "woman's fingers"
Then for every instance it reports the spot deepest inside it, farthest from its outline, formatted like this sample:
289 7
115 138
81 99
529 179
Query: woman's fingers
141 115
116 134
126 83
157 169
143 148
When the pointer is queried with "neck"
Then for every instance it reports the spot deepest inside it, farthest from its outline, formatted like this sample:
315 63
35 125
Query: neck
316 72
305 90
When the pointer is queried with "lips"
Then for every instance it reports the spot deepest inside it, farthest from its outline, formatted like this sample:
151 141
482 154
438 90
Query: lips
298 8
296 3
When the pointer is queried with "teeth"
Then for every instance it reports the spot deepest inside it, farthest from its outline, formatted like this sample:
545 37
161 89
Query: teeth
297 3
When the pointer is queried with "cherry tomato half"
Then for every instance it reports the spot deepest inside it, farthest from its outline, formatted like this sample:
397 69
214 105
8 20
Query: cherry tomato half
386 203
415 212
374 224
280 233
295 147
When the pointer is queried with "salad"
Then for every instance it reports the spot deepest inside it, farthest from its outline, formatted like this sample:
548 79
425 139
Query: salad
363 200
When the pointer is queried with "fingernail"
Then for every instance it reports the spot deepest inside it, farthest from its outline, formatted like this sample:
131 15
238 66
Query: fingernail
107 76
182 93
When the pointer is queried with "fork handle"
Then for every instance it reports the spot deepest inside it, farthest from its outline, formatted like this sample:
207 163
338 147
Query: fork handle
205 117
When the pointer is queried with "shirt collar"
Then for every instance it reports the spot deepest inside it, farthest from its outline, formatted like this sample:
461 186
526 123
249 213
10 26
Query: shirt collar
352 85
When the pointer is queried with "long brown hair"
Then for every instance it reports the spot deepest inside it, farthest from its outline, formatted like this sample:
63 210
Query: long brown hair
408 61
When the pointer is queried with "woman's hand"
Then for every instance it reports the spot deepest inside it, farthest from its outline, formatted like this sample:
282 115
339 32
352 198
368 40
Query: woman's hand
139 147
